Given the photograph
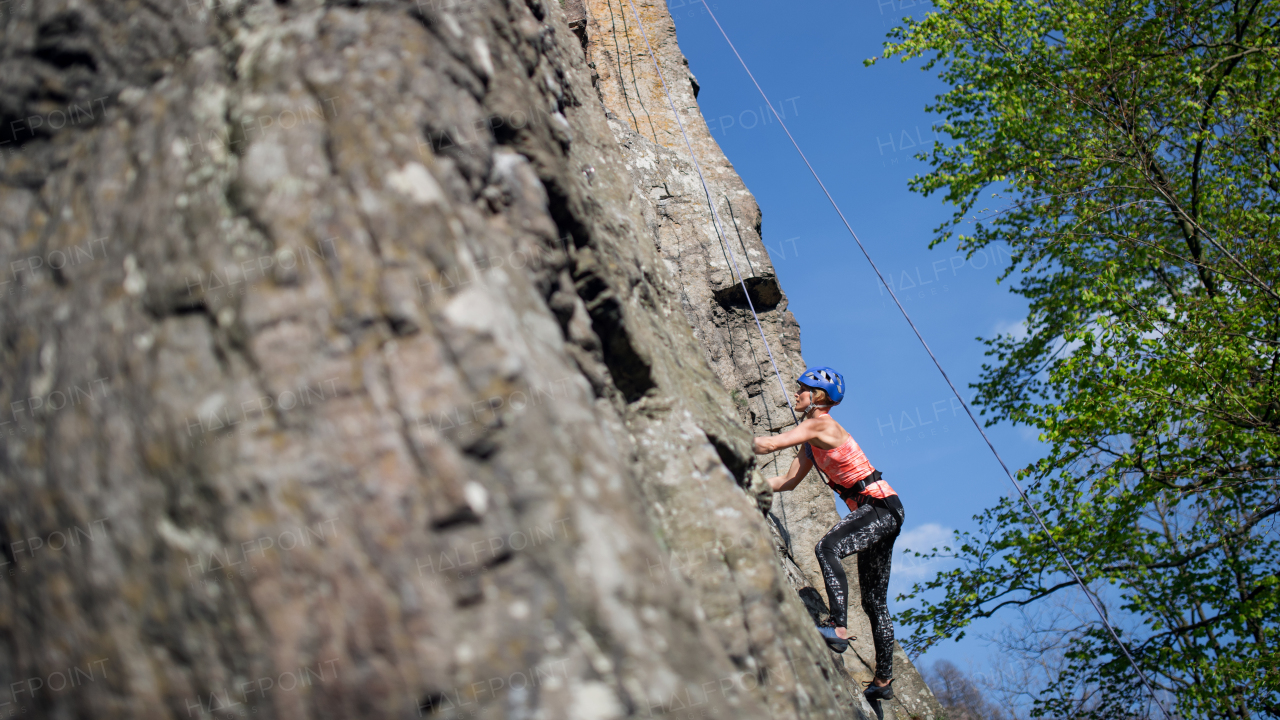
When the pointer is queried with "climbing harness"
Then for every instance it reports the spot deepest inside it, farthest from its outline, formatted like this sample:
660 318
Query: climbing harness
1070 567
850 494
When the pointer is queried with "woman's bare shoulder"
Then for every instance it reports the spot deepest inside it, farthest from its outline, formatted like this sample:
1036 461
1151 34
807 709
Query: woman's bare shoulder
833 428
828 433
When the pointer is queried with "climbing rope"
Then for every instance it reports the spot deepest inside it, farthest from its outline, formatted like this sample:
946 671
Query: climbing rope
1070 567
715 214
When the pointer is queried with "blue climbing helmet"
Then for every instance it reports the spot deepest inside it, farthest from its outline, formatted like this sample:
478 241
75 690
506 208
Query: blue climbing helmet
825 378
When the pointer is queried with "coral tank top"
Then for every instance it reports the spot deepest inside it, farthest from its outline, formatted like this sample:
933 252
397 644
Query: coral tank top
847 465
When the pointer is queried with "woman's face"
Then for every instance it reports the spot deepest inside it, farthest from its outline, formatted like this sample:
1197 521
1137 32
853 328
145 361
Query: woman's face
804 398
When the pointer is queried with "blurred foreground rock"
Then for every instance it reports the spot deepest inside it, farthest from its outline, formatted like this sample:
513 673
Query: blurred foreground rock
364 360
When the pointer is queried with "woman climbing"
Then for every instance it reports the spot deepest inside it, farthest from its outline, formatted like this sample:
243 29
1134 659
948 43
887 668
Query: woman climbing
874 519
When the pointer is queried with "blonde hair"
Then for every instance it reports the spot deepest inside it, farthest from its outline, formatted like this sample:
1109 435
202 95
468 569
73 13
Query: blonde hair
815 400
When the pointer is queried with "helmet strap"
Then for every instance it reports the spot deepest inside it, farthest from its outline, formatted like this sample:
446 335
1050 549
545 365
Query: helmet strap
814 408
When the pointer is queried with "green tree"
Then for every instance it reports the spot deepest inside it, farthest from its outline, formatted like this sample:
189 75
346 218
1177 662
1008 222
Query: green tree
1134 149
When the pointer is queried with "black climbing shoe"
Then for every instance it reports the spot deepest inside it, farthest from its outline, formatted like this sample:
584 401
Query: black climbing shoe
876 692
834 641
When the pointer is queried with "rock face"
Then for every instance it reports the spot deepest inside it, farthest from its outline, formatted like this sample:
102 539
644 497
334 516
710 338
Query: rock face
707 268
354 366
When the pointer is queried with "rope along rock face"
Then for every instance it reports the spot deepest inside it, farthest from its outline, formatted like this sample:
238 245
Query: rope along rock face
654 143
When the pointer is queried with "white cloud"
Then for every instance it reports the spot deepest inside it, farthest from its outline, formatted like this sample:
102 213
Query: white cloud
1017 328
907 568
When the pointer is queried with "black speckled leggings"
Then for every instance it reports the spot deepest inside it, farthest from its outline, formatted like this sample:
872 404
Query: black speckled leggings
868 531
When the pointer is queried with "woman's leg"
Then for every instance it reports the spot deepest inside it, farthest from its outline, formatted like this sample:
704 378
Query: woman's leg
873 579
856 532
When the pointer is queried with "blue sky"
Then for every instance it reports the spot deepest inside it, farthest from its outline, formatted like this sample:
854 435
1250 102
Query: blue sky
860 128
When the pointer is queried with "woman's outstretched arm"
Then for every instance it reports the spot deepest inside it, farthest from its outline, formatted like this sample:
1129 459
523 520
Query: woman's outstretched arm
800 467
802 433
